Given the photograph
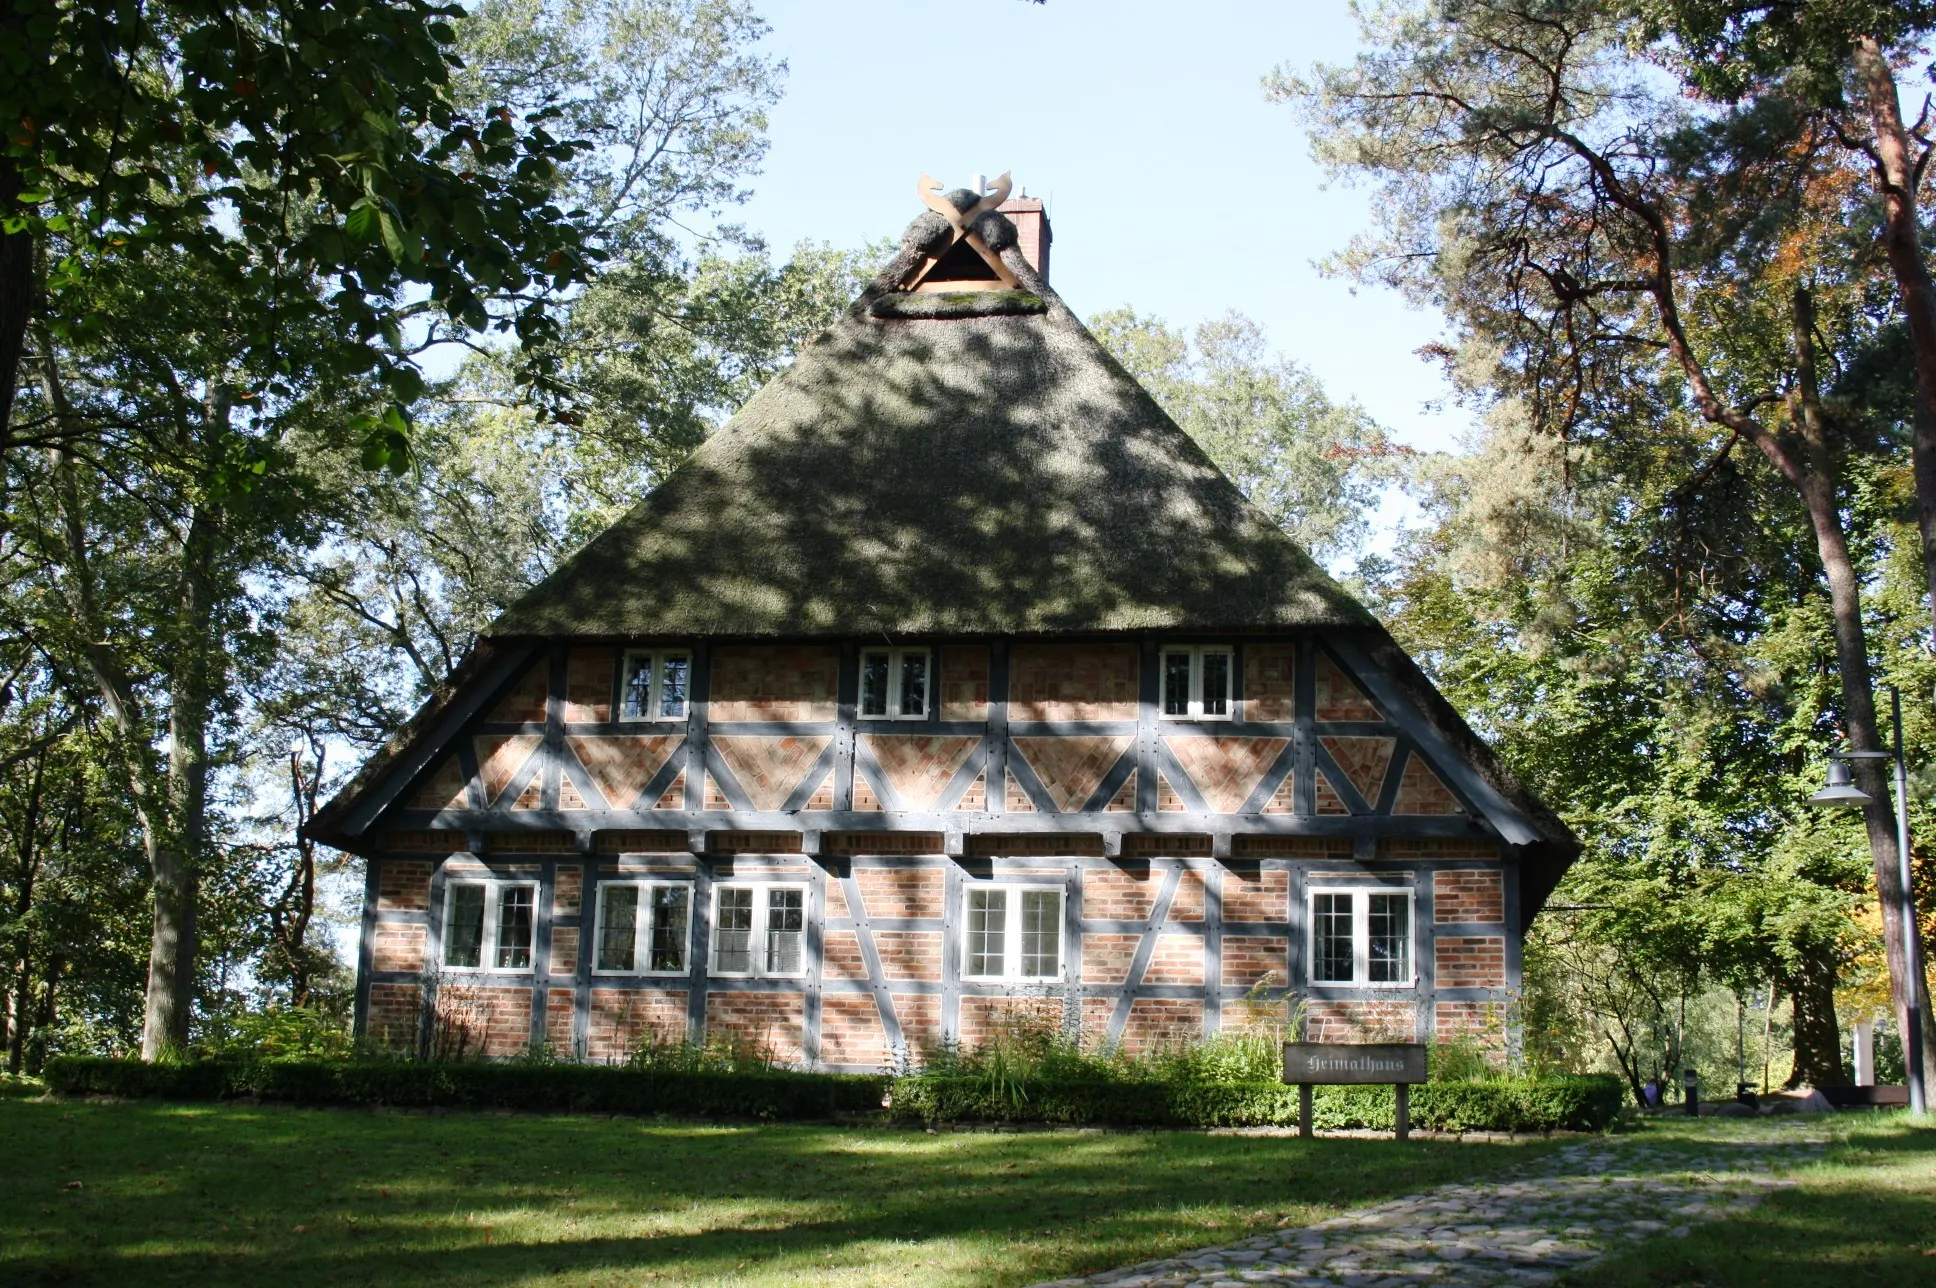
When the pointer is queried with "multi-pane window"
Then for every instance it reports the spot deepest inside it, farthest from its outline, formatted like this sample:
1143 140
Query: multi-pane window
1196 682
643 928
658 684
1361 936
759 930
1014 933
488 925
895 683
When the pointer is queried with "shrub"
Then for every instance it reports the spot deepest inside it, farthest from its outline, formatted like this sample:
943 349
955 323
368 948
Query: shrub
768 1095
1495 1104
285 1033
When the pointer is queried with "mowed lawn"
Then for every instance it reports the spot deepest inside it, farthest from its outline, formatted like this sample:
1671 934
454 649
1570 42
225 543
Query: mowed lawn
217 1195
1862 1217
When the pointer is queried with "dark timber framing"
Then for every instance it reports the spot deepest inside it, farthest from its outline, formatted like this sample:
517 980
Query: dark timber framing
994 761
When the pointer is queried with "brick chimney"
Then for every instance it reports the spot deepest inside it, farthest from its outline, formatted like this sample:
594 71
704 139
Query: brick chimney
1032 233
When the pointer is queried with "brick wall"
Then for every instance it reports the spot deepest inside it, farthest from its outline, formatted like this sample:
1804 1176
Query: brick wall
1426 847
983 1017
1176 959
1105 958
1484 1022
909 954
1339 697
771 1021
402 885
1468 896
622 765
397 948
1188 903
558 1020
568 890
1421 792
564 950
850 1030
901 892
963 690
919 766
774 682
525 702
1469 961
1259 895
1226 770
840 956
1119 894
479 1019
622 1018
920 1017
769 769
1158 1022
589 677
1071 769
1393 1021
1072 682
395 1010
1249 960
1270 682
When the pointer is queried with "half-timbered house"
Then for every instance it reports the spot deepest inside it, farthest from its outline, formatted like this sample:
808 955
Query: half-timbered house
949 678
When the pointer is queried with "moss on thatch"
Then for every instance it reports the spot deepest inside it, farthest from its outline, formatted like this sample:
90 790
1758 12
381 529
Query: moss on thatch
958 304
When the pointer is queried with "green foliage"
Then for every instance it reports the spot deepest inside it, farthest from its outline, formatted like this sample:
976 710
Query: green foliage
1515 1105
278 1033
537 1085
732 1053
1311 464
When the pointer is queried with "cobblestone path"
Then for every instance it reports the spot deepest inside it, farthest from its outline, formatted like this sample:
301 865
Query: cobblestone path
1567 1208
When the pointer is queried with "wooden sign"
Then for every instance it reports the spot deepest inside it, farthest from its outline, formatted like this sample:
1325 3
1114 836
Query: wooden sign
1307 1064
1312 1063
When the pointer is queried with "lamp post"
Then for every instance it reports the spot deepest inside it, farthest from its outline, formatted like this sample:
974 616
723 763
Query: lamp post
1840 792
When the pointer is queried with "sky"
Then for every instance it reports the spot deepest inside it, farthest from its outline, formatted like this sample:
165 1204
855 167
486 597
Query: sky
1173 185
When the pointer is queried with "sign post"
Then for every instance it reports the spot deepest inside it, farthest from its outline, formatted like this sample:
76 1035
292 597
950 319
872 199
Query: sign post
1398 1064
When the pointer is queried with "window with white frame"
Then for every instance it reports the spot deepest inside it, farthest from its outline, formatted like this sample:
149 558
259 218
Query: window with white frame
644 928
1013 933
894 683
488 925
657 684
1361 935
760 930
1196 682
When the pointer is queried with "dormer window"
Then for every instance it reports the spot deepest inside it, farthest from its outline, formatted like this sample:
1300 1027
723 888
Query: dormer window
1196 682
658 683
894 683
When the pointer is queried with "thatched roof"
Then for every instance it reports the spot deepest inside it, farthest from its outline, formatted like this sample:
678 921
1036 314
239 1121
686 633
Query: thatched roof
967 463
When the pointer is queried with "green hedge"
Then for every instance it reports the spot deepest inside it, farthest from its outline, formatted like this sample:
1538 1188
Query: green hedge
568 1087
1523 1105
1520 1105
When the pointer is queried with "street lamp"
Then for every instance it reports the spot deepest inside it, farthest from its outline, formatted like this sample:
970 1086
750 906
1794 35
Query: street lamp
1841 791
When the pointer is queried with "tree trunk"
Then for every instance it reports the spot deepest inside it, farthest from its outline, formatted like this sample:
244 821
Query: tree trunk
1813 478
1896 177
171 950
16 295
1818 1039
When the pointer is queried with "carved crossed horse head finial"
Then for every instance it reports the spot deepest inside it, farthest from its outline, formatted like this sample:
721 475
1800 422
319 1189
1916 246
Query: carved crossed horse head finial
934 199
963 223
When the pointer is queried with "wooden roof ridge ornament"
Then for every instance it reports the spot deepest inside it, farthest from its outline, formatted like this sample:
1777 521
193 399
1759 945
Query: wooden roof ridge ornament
935 198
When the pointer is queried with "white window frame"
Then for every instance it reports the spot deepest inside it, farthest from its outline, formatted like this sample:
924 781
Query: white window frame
494 888
1012 931
655 660
1194 708
894 658
760 901
641 929
1360 934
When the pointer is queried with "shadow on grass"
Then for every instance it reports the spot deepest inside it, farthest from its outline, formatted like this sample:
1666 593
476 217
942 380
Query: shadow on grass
1865 1216
238 1195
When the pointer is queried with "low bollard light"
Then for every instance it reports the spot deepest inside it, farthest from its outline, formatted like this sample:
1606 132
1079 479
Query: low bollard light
1691 1087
